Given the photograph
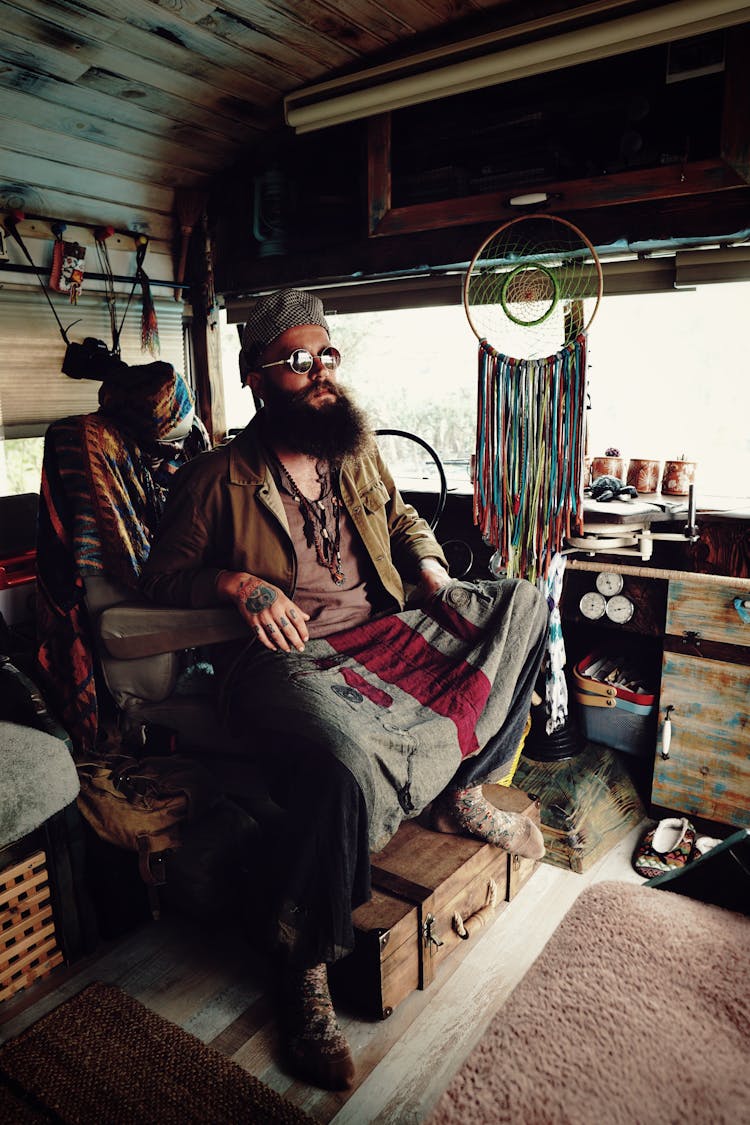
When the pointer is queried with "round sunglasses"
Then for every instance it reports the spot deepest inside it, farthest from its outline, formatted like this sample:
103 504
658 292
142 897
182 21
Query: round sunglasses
301 360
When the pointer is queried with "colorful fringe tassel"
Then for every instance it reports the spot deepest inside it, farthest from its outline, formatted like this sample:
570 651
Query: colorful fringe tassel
528 491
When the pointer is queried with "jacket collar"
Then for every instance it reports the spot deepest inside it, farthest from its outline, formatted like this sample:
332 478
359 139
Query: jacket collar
247 464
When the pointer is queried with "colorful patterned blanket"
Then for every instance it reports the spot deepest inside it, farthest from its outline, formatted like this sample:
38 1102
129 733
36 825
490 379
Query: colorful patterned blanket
402 699
101 499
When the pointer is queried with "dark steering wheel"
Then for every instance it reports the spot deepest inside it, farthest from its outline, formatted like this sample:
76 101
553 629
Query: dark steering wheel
443 492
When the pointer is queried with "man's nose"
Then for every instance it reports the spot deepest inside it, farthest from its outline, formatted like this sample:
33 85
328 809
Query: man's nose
318 368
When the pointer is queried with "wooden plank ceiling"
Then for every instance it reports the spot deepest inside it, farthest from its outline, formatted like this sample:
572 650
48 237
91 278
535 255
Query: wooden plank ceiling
106 110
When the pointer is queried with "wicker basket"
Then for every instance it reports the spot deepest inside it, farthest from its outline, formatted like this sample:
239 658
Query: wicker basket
613 716
28 944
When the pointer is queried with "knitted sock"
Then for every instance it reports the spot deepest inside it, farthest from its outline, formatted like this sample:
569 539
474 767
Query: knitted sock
315 1044
467 810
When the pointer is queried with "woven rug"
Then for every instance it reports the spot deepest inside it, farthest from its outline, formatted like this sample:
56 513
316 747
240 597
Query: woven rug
102 1058
636 1011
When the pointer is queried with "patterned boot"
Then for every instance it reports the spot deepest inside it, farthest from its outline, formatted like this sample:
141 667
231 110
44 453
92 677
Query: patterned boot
315 1045
468 811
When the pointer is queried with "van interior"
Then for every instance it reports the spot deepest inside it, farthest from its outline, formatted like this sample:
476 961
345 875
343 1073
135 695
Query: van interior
496 201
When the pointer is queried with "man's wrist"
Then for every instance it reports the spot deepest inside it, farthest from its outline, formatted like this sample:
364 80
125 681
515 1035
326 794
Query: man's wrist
431 564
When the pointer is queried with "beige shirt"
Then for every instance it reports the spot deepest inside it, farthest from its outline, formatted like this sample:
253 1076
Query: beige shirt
331 607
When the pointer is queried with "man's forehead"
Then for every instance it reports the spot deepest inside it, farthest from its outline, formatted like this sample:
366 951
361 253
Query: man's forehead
300 336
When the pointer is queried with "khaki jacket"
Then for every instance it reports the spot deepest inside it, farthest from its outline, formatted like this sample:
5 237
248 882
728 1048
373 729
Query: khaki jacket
224 512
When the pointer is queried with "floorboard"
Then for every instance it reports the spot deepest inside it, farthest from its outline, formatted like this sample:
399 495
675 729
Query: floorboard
211 983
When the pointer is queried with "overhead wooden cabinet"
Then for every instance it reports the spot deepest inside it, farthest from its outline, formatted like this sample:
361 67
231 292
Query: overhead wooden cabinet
705 697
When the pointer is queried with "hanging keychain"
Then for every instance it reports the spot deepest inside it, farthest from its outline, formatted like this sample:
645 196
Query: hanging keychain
67 265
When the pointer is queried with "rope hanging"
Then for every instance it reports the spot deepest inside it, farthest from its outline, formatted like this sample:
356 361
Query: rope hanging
528 491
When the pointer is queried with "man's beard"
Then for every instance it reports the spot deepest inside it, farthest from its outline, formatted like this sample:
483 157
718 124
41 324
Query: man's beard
329 432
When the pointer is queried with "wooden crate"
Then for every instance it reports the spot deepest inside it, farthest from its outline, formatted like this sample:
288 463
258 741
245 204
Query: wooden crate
28 944
431 892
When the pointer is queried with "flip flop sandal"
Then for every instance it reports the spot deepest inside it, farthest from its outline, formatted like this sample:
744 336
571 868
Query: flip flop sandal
667 846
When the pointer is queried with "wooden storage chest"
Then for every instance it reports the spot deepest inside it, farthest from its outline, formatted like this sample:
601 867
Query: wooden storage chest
425 885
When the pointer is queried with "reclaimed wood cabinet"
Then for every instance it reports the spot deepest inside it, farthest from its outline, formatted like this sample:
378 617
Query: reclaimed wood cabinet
701 624
702 762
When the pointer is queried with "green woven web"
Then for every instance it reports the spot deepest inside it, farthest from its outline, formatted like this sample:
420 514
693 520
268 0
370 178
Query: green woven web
533 287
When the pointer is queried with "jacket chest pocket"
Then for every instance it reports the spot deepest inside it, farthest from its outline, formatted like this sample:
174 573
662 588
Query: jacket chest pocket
374 496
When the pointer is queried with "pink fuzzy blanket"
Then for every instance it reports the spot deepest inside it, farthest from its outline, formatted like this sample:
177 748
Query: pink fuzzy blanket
636 1011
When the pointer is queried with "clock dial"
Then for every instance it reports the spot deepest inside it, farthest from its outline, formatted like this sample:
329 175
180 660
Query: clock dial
609 583
592 606
620 609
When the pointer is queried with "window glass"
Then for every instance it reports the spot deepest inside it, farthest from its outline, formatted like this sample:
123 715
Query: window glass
667 380
20 465
668 376
238 401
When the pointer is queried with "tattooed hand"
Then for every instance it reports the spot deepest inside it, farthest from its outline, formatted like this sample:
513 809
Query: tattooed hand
277 622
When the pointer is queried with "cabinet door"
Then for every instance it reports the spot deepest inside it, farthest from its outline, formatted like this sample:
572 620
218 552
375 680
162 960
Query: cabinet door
708 770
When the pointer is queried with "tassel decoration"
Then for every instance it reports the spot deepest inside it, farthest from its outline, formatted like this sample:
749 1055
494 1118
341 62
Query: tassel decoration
149 322
528 492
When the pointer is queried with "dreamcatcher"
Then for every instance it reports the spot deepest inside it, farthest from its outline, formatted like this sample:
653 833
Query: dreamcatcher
531 292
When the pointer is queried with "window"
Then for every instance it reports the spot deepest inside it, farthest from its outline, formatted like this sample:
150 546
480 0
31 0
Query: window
667 377
20 465
238 400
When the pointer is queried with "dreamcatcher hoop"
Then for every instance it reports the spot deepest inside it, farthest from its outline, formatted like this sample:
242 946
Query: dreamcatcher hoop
523 272
526 287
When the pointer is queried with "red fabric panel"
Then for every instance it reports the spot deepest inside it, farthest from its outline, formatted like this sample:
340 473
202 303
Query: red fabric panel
354 680
397 654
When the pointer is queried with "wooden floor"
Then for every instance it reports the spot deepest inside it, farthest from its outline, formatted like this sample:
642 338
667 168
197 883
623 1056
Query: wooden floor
212 985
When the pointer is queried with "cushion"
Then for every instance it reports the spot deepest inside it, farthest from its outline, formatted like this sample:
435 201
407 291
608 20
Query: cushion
38 779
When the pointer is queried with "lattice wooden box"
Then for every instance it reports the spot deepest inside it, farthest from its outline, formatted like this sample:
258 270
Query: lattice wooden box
28 943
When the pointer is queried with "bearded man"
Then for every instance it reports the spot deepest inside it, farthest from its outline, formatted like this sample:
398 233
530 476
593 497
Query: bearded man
359 710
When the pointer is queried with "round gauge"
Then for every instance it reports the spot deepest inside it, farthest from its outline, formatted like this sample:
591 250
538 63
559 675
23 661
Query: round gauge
592 606
609 583
620 609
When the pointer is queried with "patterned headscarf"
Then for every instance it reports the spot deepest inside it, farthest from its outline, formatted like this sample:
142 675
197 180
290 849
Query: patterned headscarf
149 401
272 315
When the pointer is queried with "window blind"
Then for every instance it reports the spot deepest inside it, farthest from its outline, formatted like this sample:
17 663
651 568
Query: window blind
33 390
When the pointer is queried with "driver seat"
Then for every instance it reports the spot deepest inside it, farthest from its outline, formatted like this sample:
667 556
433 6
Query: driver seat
113 665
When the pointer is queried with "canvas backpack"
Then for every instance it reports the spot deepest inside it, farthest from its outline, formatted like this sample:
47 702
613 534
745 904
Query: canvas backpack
146 805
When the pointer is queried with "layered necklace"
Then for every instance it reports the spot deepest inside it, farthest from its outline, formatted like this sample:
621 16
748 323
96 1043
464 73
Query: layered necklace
321 518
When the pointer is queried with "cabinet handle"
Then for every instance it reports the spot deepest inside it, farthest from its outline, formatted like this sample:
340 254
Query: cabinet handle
666 734
742 605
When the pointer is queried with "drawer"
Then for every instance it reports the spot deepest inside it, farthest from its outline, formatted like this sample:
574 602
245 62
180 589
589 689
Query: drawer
707 773
707 609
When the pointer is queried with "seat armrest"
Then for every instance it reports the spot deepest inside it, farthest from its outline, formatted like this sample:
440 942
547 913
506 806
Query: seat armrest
130 631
